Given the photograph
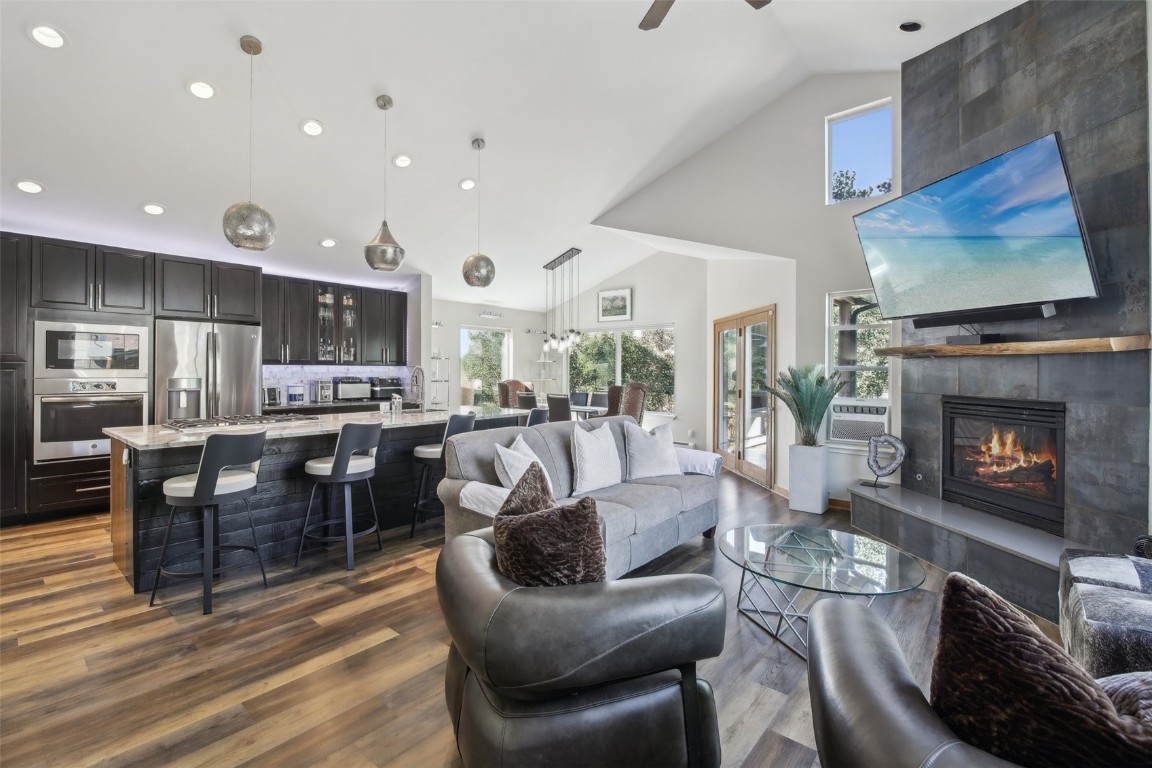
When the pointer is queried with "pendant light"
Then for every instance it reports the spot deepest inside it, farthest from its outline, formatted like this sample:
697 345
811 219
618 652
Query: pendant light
384 254
478 268
246 224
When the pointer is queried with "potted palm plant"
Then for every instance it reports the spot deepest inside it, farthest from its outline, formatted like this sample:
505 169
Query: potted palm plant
808 393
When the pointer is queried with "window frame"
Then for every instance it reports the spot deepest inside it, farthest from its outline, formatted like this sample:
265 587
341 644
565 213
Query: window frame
616 334
849 114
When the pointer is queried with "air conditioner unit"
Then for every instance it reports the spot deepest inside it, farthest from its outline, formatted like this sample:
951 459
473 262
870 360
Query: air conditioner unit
856 420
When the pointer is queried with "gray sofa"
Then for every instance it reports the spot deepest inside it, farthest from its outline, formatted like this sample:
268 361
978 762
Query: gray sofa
640 519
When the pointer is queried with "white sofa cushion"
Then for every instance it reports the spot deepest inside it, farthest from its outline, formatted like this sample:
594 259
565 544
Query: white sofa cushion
650 454
512 462
595 458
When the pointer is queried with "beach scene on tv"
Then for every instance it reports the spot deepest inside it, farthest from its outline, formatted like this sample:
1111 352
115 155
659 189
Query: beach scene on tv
1001 233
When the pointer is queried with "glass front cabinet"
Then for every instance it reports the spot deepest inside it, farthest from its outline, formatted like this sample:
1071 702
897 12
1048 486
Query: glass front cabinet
338 324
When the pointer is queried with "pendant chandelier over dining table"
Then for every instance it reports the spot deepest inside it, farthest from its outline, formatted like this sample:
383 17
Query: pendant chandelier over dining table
562 299
246 224
479 270
383 253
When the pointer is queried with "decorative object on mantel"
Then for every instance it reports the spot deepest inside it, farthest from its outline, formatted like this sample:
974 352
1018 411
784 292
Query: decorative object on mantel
615 304
478 268
808 394
1055 347
899 451
567 292
384 254
246 224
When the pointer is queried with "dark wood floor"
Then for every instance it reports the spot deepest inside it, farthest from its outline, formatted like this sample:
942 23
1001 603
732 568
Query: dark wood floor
326 666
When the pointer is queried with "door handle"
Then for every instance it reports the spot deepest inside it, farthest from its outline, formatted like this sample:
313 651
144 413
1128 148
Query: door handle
99 292
92 293
215 305
93 489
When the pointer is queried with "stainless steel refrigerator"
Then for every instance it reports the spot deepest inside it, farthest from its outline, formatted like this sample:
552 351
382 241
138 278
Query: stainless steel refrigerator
203 370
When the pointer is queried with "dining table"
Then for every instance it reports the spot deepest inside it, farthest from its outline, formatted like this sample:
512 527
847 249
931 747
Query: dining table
584 411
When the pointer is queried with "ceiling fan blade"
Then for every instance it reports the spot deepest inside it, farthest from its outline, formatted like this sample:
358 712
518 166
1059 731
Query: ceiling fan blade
656 14
758 4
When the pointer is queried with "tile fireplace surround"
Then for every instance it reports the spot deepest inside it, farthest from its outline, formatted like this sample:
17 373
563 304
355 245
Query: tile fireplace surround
1081 69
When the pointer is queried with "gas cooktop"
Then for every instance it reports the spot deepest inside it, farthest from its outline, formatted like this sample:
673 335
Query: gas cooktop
246 420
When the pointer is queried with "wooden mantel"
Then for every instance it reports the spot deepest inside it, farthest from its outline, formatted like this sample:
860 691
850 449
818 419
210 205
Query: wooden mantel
1059 347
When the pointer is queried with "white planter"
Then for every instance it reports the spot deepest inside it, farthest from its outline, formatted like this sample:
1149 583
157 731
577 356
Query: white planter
808 478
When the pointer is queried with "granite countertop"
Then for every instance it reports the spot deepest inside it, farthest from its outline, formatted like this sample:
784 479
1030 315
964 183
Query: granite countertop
155 437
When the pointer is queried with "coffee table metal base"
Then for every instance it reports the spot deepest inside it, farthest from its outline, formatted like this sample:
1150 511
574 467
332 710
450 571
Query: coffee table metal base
787 615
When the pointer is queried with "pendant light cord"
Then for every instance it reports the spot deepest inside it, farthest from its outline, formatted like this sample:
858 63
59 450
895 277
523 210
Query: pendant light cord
386 161
479 187
251 68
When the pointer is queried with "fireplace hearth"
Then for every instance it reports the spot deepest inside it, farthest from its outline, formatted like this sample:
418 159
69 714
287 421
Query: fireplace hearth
1005 457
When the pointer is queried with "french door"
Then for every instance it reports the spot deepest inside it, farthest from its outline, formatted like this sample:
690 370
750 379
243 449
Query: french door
743 409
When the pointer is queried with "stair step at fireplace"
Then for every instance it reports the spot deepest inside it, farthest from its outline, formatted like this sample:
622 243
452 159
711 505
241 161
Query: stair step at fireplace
1017 561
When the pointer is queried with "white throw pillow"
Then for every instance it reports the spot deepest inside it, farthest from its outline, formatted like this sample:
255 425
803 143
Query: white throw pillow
595 458
650 454
514 461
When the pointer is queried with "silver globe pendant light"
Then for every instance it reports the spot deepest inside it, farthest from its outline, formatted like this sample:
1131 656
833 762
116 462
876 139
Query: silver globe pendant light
384 254
246 224
479 270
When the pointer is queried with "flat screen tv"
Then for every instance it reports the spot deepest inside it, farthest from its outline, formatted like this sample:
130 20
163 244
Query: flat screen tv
1003 234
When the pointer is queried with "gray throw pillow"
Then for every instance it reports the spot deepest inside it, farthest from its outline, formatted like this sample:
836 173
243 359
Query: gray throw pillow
595 459
550 546
650 454
1003 686
512 461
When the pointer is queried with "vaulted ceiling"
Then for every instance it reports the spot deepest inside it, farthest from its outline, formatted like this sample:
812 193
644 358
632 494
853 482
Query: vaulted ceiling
578 107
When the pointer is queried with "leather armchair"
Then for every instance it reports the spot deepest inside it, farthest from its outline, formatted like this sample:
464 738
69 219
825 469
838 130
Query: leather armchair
590 674
867 709
507 391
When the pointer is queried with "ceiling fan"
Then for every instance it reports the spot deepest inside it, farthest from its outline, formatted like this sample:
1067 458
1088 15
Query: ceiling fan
660 9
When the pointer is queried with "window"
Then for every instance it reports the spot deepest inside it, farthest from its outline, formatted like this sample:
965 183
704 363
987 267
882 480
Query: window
485 358
855 331
647 355
859 152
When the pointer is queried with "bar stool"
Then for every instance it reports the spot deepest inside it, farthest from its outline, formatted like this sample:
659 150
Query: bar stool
537 416
431 457
354 460
213 485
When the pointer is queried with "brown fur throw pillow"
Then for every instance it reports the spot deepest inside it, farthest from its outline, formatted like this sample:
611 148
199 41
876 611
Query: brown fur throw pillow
1003 686
541 545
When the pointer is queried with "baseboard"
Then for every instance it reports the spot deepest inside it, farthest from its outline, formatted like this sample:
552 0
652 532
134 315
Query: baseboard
840 505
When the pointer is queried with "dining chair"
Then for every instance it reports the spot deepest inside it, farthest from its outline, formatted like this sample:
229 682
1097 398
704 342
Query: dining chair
559 408
537 416
598 400
526 400
579 398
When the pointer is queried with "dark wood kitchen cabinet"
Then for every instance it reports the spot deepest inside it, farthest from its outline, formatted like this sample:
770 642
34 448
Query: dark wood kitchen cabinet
197 289
80 276
13 440
286 322
15 259
338 324
385 335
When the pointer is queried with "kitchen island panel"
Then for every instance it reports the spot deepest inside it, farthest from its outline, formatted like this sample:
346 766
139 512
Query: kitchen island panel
281 498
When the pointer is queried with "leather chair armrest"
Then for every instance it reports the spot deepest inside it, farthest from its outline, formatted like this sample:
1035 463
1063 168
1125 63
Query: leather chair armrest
530 640
867 709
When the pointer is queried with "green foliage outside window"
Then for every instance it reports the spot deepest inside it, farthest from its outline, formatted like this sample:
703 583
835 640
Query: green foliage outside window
484 360
647 356
844 187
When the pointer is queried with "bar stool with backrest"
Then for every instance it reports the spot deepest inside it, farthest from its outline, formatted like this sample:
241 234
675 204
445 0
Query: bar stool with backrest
227 474
526 400
559 409
431 457
354 460
537 416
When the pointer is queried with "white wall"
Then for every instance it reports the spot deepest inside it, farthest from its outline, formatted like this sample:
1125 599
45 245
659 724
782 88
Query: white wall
454 315
760 188
667 289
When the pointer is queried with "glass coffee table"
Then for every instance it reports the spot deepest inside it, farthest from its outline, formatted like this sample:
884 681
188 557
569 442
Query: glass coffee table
780 562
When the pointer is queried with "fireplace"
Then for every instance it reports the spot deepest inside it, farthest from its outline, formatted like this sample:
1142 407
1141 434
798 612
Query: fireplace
1005 457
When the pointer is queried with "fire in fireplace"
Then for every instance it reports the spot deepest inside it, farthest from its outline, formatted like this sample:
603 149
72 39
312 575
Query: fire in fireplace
1006 457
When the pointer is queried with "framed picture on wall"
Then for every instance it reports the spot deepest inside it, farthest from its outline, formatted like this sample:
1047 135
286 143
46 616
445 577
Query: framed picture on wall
615 304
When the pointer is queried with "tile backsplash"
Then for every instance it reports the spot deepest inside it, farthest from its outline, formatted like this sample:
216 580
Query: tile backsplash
283 375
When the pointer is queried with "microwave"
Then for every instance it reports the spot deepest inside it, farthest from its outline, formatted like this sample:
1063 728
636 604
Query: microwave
64 350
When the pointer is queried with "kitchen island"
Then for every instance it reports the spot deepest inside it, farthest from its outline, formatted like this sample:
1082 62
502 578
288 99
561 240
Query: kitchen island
144 457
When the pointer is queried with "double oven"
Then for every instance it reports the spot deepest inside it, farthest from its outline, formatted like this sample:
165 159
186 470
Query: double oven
86 377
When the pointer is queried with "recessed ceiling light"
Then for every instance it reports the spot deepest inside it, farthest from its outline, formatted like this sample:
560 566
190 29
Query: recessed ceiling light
47 36
401 161
201 90
467 184
911 26
153 209
29 186
312 127
328 242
